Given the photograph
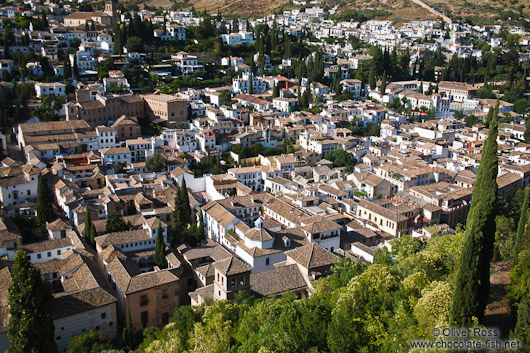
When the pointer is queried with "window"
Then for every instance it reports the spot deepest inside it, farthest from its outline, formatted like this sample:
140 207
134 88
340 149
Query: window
39 256
103 315
267 261
49 254
164 294
143 300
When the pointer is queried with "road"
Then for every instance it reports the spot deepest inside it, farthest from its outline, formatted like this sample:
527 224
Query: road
436 12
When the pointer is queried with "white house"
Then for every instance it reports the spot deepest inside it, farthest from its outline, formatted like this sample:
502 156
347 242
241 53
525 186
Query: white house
116 155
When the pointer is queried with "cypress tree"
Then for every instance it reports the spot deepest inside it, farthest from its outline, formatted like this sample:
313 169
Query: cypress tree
67 68
127 335
44 204
250 84
92 237
160 247
7 55
522 327
383 83
472 281
274 90
202 229
521 226
185 203
30 327
88 224
177 214
371 78
76 69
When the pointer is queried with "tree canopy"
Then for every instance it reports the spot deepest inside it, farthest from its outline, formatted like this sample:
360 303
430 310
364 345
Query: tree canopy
115 223
30 327
156 163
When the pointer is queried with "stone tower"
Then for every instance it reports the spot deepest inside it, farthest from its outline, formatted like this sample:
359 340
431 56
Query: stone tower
110 9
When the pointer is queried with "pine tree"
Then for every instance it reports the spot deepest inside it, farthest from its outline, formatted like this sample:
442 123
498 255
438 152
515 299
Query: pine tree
472 282
30 327
521 226
44 204
160 259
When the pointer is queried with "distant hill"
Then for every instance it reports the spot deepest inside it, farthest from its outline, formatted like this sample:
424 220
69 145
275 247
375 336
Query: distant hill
478 12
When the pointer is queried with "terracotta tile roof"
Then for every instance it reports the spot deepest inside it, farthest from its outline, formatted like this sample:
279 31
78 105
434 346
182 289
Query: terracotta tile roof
123 237
232 266
277 281
312 256
258 234
47 245
58 224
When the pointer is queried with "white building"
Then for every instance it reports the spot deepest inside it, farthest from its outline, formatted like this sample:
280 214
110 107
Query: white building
18 185
116 155
241 37
242 84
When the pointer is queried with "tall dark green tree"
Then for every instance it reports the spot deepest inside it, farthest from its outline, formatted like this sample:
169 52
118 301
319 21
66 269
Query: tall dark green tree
30 327
182 213
75 68
115 223
371 78
202 229
92 237
472 281
44 202
127 334
522 327
160 259
88 226
383 83
7 55
185 202
521 226
67 69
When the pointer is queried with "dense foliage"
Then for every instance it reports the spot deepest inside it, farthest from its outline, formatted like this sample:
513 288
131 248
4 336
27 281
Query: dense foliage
358 308
115 223
30 327
341 158
473 278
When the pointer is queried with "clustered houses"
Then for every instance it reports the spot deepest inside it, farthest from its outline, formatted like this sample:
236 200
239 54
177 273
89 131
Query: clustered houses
305 190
